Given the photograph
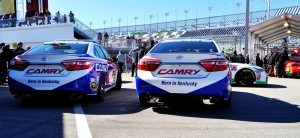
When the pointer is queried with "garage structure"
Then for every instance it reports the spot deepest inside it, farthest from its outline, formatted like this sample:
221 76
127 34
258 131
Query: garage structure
276 32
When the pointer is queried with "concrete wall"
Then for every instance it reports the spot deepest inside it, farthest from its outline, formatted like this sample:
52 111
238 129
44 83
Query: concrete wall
33 35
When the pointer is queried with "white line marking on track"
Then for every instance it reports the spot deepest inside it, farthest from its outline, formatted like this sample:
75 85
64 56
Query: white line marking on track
83 129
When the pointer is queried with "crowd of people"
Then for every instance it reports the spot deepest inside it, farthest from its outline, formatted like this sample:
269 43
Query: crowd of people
100 37
270 63
35 17
6 55
277 61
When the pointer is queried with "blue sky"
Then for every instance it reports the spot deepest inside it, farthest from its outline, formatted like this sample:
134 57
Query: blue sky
96 11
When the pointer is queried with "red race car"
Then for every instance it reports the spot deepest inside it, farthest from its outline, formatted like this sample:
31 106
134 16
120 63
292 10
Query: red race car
292 67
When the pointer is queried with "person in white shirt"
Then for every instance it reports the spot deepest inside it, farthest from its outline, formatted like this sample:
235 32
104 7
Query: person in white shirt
121 60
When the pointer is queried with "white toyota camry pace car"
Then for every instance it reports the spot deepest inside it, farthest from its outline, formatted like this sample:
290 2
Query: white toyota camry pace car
71 68
183 69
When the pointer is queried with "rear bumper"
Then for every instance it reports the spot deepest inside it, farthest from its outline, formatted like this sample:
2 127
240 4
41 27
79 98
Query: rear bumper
81 85
220 89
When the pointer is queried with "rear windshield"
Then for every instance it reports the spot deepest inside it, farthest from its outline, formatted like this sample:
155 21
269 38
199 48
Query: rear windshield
185 46
295 59
59 48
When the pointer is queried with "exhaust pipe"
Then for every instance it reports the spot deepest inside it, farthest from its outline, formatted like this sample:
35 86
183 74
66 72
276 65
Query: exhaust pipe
76 96
24 97
214 100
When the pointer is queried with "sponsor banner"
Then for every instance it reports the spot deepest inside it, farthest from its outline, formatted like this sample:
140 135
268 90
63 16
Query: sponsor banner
32 5
7 7
37 5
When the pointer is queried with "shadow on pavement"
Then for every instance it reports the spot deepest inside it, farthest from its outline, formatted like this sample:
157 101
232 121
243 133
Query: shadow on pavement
124 101
273 86
245 107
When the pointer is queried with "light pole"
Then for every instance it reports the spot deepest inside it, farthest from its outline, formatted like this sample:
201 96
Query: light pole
237 23
167 14
196 18
186 12
119 20
127 24
104 22
157 22
176 20
110 26
247 28
225 14
150 16
209 9
268 8
135 18
238 17
90 28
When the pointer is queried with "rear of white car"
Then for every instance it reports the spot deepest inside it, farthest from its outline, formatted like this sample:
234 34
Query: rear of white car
184 68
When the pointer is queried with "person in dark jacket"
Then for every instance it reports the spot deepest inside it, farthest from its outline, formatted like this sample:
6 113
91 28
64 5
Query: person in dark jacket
272 64
247 59
240 58
259 61
266 61
19 49
148 48
281 59
233 57
141 52
5 57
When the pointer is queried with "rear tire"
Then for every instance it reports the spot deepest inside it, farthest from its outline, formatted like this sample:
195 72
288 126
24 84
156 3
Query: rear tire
119 82
101 90
245 77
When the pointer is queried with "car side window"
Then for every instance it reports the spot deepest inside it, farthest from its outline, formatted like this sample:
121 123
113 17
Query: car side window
98 52
106 53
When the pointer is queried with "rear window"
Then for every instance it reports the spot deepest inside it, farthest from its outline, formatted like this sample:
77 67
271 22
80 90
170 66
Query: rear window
59 48
295 59
185 46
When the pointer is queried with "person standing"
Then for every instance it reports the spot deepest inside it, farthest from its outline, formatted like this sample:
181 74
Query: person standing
142 50
121 60
106 36
272 63
19 50
148 48
71 17
134 57
28 48
5 57
266 61
281 58
233 57
247 59
57 17
48 15
258 61
99 36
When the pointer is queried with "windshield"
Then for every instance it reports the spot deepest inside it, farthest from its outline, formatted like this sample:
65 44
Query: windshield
185 46
59 48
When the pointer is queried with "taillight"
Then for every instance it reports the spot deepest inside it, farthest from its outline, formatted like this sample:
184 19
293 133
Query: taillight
77 65
294 65
18 64
148 64
215 64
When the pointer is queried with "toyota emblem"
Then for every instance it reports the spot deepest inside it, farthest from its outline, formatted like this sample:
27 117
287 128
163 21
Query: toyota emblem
179 57
44 59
